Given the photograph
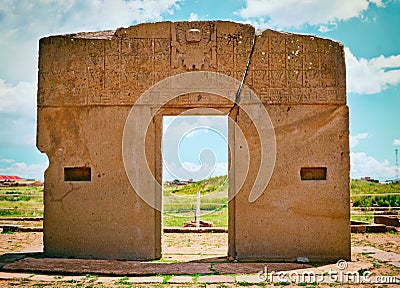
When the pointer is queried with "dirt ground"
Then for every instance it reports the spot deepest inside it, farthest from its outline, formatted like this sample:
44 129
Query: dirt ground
389 242
184 247
15 242
201 242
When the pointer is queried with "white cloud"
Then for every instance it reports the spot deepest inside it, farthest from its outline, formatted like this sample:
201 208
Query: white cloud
23 22
396 142
193 17
327 27
355 140
18 100
219 169
35 171
378 3
17 114
294 13
371 76
47 16
6 160
178 127
194 171
363 165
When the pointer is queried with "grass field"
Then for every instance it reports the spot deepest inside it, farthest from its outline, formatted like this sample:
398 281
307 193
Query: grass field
180 201
21 201
366 197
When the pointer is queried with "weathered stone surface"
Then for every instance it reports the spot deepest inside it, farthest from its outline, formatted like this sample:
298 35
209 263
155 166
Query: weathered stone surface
106 267
359 228
254 268
181 279
153 279
375 228
388 220
215 279
88 84
378 254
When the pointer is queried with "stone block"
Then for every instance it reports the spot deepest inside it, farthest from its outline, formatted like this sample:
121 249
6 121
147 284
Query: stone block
289 137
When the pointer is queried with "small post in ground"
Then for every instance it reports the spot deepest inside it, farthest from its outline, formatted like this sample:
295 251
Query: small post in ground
197 216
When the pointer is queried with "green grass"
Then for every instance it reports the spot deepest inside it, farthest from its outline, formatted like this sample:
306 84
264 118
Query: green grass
183 203
363 218
180 202
21 201
366 194
207 186
218 218
360 187
376 201
370 195
23 190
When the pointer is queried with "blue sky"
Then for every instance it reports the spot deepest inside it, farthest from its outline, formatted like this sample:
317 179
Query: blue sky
198 143
367 28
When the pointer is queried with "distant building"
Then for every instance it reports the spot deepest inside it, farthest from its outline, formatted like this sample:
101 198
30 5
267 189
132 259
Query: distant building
8 180
396 180
178 182
369 179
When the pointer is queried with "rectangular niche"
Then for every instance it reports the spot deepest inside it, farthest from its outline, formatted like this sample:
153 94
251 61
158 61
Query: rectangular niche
313 173
80 174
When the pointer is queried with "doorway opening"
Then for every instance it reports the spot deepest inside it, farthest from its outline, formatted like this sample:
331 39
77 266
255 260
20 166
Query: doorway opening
195 187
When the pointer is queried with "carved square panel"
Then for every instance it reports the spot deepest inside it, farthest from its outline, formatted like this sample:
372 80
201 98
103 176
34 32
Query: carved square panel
311 78
277 44
277 61
278 78
295 78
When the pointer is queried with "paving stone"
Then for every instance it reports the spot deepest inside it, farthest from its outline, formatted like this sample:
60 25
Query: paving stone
154 279
378 254
45 278
107 280
358 228
347 267
253 268
376 228
180 279
7 275
114 267
251 279
216 279
10 257
395 263
388 220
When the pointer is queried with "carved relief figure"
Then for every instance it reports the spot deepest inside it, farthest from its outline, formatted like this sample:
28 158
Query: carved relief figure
194 45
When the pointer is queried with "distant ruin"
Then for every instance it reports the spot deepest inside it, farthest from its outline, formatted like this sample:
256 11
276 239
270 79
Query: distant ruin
102 95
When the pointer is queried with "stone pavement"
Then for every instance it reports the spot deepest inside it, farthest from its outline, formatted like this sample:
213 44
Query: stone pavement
32 267
137 268
251 277
389 257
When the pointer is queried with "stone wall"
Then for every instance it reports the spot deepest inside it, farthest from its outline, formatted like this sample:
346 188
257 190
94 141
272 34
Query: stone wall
88 84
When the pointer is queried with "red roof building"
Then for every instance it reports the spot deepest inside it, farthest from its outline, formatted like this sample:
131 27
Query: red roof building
9 178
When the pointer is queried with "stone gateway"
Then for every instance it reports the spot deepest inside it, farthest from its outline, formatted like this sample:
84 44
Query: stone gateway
101 99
